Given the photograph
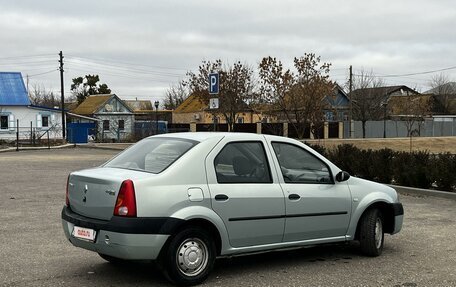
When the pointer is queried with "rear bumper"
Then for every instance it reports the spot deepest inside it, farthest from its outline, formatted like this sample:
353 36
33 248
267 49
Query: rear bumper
398 217
126 238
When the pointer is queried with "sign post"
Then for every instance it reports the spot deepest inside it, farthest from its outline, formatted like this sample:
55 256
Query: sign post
214 88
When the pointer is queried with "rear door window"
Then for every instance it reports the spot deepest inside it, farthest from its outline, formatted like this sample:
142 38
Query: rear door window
242 162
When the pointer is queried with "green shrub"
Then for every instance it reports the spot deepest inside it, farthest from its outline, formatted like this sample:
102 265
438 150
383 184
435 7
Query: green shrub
412 169
416 169
318 148
366 167
347 157
383 163
444 171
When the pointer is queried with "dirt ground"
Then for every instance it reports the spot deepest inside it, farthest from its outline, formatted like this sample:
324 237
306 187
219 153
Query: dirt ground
433 145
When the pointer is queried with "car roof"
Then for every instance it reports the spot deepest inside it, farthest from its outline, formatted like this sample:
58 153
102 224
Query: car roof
196 136
203 136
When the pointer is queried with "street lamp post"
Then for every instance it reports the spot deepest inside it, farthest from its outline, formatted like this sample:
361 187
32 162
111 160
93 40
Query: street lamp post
384 105
156 103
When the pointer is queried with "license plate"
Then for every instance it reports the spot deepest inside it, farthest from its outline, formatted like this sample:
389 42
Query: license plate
84 233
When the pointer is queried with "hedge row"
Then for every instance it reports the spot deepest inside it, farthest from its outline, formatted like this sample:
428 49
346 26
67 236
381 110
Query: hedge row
417 169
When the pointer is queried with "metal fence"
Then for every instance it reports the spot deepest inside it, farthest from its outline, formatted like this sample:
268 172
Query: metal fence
394 129
143 129
31 136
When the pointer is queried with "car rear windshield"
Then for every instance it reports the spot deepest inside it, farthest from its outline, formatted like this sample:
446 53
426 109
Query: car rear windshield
152 154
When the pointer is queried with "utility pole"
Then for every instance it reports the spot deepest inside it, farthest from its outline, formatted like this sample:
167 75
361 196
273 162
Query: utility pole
62 95
351 102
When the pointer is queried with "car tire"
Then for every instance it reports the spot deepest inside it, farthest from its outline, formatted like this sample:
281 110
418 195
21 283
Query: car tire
371 235
112 260
189 257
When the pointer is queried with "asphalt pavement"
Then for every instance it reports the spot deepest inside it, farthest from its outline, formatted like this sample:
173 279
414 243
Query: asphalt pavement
34 251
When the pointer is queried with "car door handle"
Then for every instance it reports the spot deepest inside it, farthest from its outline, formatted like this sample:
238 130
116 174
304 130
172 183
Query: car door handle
294 196
221 197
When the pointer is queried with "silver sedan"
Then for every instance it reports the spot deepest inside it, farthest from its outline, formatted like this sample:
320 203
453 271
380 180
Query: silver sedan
184 199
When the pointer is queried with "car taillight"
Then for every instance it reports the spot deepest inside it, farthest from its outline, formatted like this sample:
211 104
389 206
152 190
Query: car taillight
67 198
126 201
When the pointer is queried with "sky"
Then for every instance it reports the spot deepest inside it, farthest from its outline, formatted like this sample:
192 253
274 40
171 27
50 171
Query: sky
139 48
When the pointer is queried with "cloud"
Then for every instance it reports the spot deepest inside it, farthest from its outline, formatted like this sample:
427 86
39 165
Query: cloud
389 37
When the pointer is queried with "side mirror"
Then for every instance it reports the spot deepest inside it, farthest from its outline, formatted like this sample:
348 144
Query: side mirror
342 176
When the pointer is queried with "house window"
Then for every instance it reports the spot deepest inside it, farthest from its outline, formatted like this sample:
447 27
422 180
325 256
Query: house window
3 122
106 125
121 125
240 120
45 121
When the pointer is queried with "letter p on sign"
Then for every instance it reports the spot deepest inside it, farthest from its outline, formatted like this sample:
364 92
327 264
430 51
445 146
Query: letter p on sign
214 83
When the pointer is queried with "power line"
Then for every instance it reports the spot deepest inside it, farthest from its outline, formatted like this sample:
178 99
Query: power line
411 74
127 69
128 63
106 71
337 69
28 56
51 71
27 63
339 75
126 72
47 67
421 73
122 75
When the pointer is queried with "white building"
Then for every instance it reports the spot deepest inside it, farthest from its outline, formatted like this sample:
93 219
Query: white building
18 115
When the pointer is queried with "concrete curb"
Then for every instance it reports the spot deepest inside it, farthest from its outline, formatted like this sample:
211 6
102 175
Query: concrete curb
107 147
121 147
11 149
424 192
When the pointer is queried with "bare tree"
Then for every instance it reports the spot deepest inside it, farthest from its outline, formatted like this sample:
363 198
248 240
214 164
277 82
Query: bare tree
368 100
55 131
297 96
444 90
412 108
39 96
175 95
236 85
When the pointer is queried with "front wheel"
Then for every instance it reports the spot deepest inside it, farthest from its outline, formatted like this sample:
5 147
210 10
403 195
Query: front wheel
371 235
189 257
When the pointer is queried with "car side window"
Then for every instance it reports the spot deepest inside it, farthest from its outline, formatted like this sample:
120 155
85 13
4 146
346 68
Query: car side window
300 166
242 162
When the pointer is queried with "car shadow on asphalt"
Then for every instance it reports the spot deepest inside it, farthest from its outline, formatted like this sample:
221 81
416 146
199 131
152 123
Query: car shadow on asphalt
283 259
131 273
147 274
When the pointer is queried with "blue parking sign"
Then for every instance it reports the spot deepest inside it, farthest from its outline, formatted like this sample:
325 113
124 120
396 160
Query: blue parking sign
214 83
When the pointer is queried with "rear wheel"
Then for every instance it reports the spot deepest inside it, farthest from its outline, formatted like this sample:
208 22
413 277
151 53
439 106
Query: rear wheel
189 257
371 235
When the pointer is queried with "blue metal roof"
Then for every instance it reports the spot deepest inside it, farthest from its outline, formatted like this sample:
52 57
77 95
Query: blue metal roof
12 90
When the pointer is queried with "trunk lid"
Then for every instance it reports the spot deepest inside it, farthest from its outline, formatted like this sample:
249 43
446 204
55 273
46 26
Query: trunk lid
93 192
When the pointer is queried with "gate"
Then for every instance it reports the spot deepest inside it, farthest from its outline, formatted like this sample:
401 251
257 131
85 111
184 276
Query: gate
80 132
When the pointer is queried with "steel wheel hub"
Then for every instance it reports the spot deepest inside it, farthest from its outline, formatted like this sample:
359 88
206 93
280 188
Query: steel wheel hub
192 257
378 233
